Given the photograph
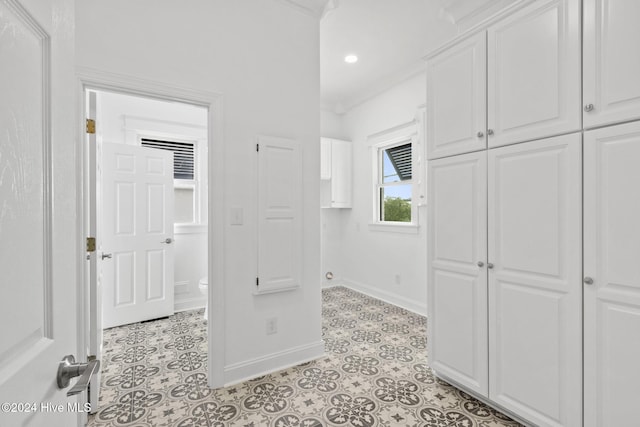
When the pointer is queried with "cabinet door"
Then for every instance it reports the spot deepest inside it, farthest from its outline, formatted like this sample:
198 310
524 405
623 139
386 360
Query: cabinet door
611 256
534 73
325 158
535 285
340 174
611 61
457 278
456 99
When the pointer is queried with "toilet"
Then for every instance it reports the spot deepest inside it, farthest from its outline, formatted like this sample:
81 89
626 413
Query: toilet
204 288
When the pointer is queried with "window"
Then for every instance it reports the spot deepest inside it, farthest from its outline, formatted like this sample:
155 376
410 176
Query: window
394 188
185 188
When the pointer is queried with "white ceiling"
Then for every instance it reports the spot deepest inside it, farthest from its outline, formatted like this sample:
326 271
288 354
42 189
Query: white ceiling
390 38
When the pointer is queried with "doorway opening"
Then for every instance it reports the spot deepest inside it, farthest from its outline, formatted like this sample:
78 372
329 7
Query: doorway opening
172 123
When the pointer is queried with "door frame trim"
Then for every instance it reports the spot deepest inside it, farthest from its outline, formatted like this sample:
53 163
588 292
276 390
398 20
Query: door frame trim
93 79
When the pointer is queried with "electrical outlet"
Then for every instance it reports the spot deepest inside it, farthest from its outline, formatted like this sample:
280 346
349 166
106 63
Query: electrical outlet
272 325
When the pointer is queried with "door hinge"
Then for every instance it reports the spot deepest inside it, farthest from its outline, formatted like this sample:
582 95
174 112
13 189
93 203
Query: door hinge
91 244
91 126
257 281
257 147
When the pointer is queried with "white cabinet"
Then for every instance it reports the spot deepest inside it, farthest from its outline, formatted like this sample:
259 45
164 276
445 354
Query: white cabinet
457 295
612 260
505 276
535 284
335 173
456 99
517 81
533 71
611 61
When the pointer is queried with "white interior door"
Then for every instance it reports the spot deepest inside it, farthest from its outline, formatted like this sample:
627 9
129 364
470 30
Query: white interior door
40 252
611 260
279 214
535 285
136 253
457 276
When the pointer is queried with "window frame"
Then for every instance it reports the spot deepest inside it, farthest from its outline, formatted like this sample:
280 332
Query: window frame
401 135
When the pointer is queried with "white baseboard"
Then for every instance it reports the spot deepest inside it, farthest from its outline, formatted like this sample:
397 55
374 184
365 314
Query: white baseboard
406 303
189 304
243 371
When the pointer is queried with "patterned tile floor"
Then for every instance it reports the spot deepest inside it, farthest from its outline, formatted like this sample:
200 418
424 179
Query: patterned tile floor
375 373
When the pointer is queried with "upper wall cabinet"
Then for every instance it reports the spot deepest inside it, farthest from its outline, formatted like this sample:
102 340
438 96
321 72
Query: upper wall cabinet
335 173
456 99
611 62
532 68
515 82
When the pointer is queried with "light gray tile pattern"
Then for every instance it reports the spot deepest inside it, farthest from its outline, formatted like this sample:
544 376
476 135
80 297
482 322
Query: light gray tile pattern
375 373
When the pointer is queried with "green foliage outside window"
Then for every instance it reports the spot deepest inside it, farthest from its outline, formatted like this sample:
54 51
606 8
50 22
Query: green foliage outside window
397 209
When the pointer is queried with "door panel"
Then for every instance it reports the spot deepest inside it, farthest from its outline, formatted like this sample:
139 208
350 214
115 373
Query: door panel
611 62
535 293
38 230
611 252
456 99
137 220
457 291
279 214
533 67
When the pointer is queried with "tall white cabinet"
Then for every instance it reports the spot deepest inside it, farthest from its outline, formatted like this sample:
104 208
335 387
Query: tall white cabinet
335 173
534 219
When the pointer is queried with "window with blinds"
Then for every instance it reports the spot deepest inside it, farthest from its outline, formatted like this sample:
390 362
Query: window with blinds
183 156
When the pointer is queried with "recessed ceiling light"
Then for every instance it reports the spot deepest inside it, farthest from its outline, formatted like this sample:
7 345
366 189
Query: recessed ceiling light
350 59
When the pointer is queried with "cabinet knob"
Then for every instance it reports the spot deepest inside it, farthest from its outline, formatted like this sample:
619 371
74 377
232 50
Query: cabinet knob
489 265
588 107
480 263
489 131
480 134
588 280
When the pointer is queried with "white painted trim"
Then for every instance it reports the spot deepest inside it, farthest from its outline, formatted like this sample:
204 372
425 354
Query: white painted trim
189 304
89 78
406 303
391 227
243 371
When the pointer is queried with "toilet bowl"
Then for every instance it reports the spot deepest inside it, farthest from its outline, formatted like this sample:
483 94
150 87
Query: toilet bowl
204 288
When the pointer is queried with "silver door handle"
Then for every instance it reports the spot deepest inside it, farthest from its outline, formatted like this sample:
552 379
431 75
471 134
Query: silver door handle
588 107
480 264
489 131
104 256
588 280
167 240
489 265
68 368
480 134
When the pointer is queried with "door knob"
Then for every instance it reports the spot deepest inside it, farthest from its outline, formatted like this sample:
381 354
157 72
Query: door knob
480 134
588 280
103 256
480 264
588 107
68 368
489 131
489 265
167 240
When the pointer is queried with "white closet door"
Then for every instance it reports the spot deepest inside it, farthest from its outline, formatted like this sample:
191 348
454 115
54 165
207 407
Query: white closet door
279 214
535 285
340 174
611 61
456 99
534 73
457 278
612 260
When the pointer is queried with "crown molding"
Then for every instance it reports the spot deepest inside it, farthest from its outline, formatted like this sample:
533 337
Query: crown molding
314 8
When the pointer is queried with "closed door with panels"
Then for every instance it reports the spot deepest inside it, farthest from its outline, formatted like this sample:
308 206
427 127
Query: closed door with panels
533 73
456 99
612 276
535 283
457 292
611 61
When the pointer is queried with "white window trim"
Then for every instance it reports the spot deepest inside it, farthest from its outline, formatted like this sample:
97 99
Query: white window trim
404 133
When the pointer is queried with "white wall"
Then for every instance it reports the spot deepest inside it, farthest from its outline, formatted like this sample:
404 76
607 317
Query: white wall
366 259
122 119
263 56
